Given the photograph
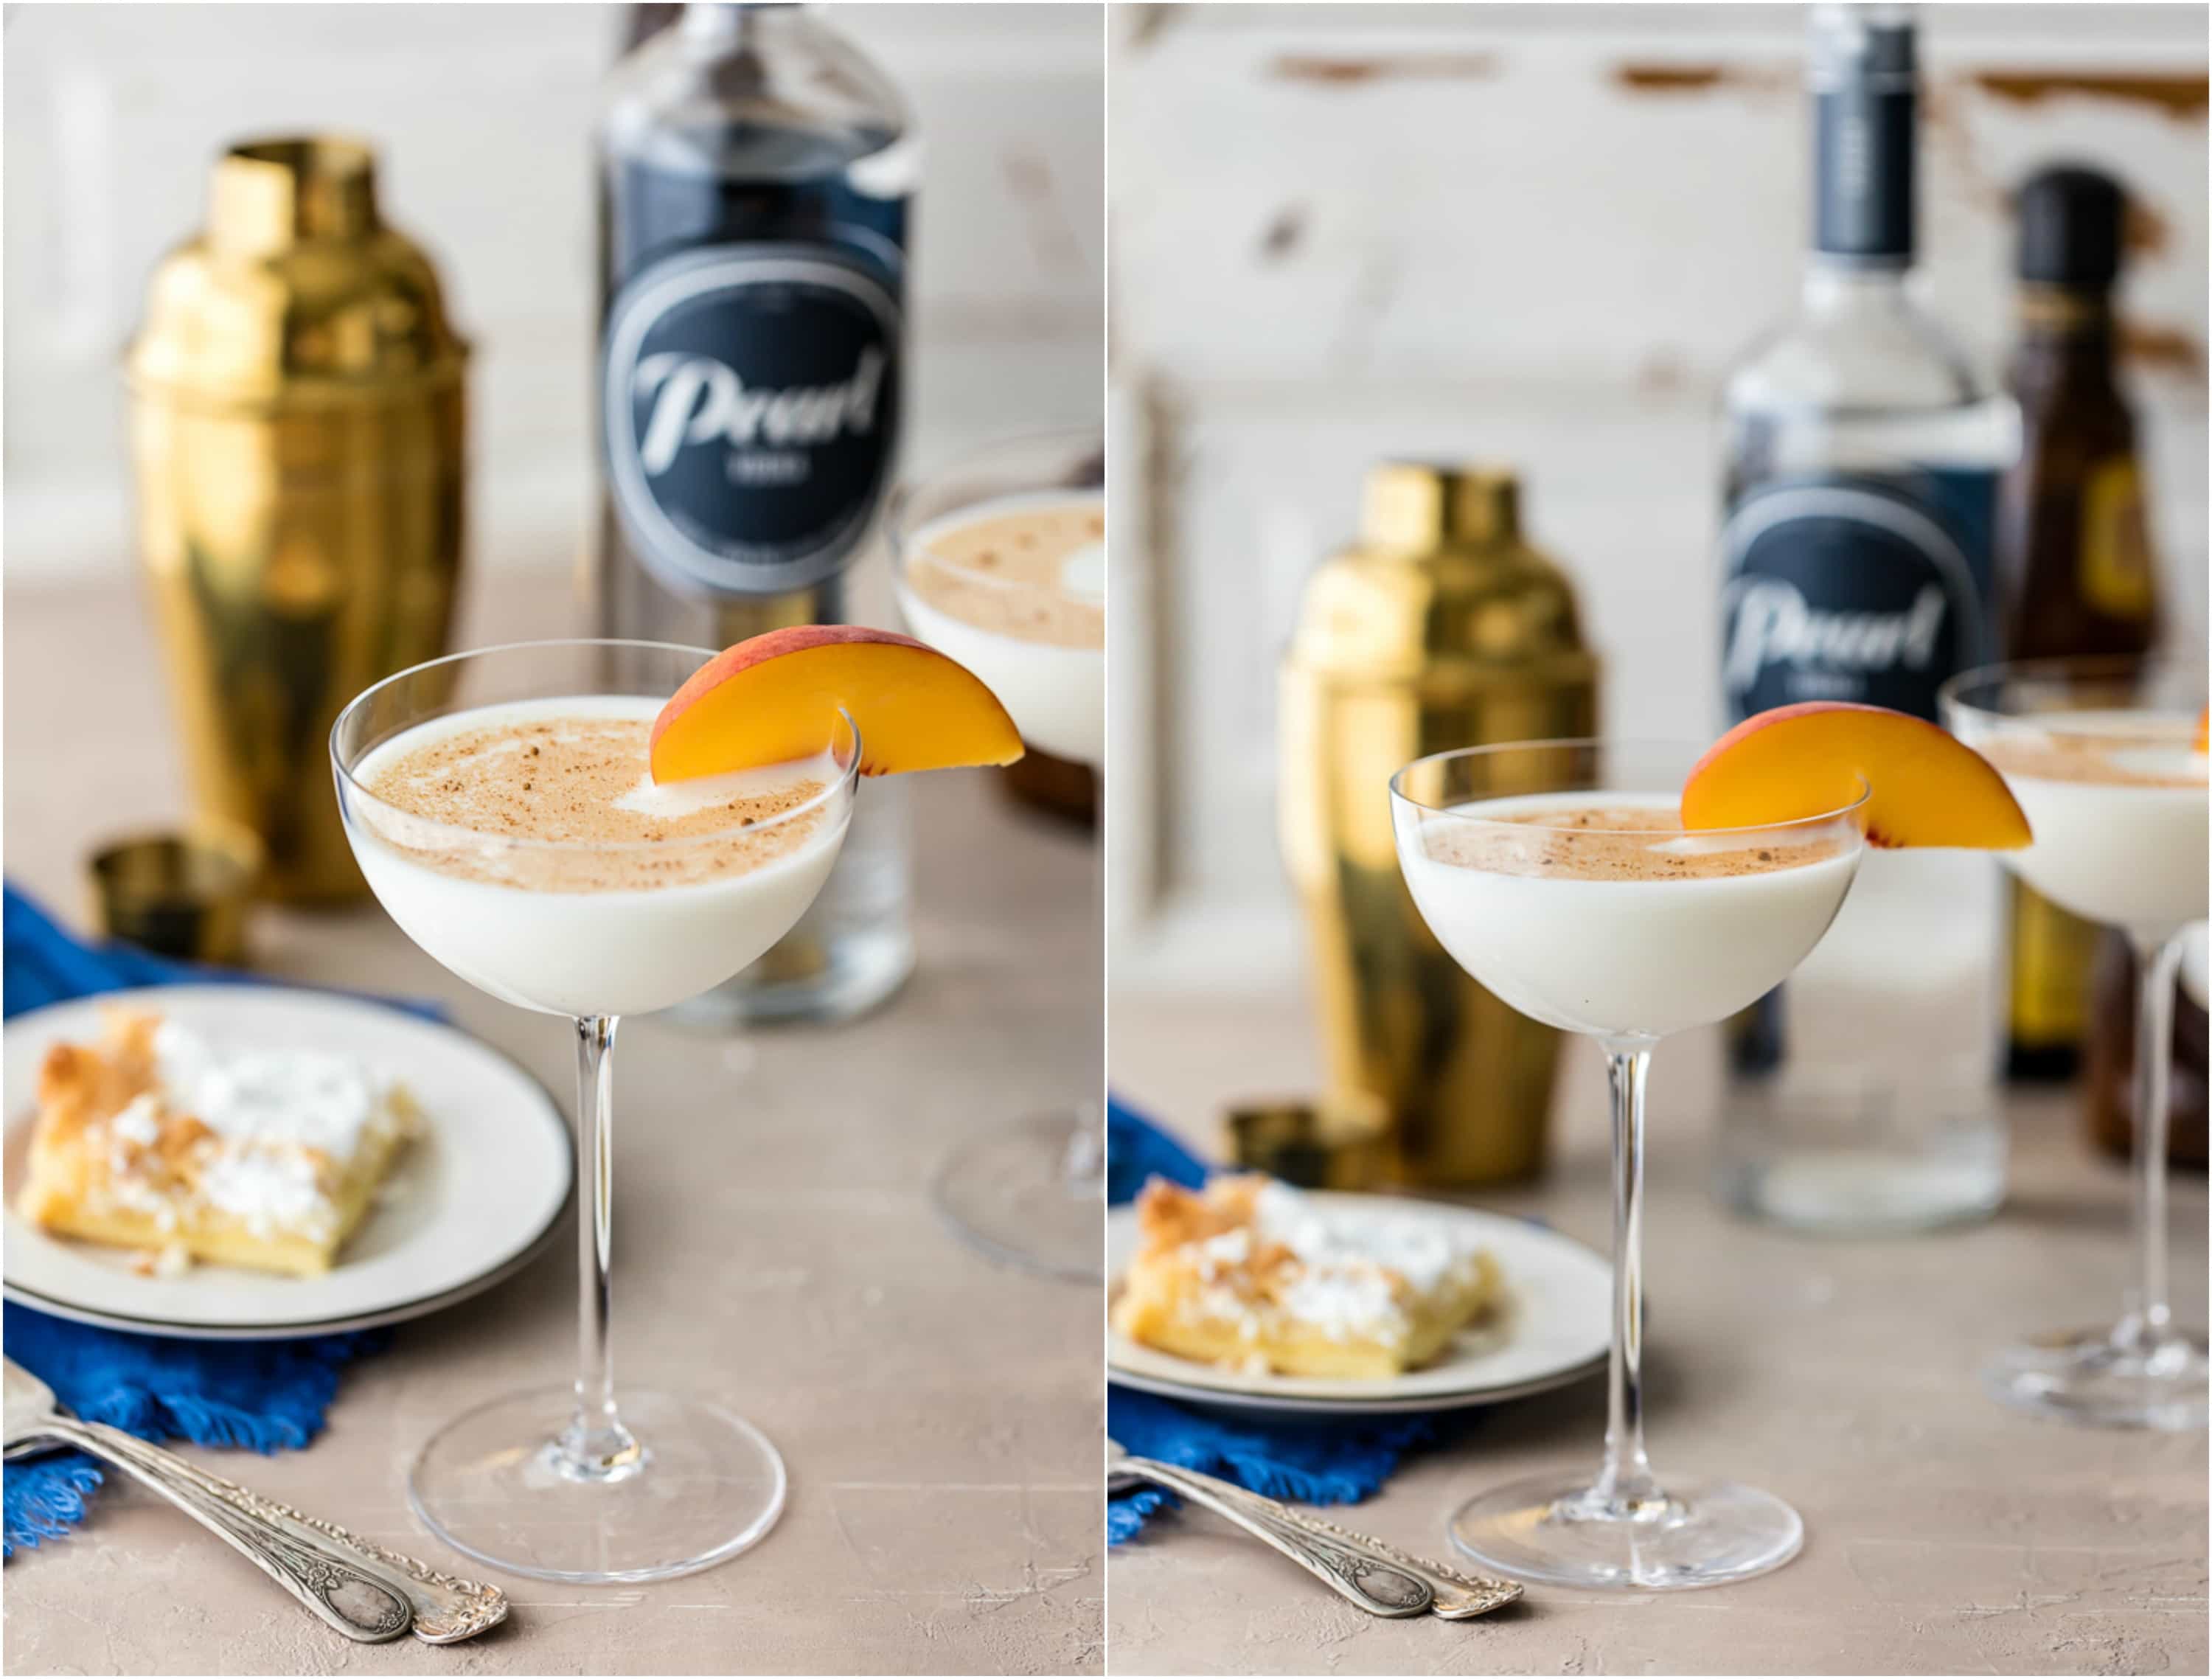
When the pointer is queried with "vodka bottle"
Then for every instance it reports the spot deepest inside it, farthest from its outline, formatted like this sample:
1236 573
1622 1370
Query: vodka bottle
1863 456
755 171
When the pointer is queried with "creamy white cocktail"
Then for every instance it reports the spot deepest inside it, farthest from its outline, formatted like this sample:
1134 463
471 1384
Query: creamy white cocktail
2118 801
2107 758
1597 914
502 809
1558 873
1001 562
1629 891
1014 587
526 847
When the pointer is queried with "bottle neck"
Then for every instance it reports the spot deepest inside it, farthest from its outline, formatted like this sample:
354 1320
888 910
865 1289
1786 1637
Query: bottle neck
2072 313
1842 285
1863 168
2062 328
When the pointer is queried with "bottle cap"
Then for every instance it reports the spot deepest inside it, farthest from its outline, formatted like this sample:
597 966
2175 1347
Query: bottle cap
1861 68
2070 226
1869 46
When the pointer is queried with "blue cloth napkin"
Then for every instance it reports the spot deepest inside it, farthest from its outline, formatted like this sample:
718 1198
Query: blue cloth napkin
1328 1460
1137 1151
45 963
265 1395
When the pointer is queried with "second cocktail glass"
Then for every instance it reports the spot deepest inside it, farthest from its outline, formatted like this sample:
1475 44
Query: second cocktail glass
551 906
2103 755
1556 874
1001 564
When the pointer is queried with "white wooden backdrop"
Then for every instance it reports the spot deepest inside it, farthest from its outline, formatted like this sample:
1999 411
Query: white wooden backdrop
482 116
1537 233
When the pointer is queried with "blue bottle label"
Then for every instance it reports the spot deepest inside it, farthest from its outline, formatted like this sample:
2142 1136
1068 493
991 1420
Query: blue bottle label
750 402
1856 587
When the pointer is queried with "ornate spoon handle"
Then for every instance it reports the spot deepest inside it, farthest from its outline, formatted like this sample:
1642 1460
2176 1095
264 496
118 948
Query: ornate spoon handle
1376 1582
1458 1597
363 1591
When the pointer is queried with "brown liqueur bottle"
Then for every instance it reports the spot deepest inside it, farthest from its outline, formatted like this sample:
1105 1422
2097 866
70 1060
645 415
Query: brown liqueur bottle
2074 564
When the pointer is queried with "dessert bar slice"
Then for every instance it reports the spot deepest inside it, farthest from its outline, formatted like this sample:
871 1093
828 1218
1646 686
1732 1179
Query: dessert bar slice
267 1159
1251 1275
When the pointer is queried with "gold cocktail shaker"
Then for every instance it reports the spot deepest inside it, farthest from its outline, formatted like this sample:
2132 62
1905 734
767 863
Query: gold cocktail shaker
297 419
1440 628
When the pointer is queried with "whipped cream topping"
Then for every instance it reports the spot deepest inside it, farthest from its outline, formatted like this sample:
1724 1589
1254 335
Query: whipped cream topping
1346 1284
307 1097
280 1120
1232 1247
1356 1299
140 1120
1424 1253
271 1188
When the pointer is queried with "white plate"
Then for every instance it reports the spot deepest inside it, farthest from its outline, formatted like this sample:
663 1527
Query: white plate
1556 1327
468 1204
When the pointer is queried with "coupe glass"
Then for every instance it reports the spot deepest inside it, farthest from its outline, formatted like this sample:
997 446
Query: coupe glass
1029 1192
2132 856
1628 962
559 1482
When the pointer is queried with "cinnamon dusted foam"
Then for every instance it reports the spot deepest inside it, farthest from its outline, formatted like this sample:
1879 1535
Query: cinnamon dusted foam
2141 754
1035 572
558 797
1619 843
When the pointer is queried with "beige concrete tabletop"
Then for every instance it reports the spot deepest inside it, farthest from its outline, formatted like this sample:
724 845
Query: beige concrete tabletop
774 1249
1944 1534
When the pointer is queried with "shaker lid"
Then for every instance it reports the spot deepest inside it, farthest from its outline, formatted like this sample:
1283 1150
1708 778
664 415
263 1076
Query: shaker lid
296 287
1440 582
1427 504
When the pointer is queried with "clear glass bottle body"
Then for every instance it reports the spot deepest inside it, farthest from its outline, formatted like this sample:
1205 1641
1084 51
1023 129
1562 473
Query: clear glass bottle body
739 136
1863 457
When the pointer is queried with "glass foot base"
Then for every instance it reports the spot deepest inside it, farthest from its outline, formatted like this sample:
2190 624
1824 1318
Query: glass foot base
1031 1195
701 1486
2095 1378
1553 1530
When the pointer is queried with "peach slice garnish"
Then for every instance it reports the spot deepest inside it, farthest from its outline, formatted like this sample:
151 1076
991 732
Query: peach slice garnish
1795 762
2204 730
775 698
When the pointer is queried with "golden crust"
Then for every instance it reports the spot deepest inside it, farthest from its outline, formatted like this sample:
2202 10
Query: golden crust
1211 1284
121 1186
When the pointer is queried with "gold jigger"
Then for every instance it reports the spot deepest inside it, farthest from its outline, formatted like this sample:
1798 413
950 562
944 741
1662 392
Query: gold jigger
183 894
1341 1142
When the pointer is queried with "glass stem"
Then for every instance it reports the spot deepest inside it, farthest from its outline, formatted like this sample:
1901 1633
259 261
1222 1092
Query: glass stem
596 1447
1625 1481
2149 1318
1083 1168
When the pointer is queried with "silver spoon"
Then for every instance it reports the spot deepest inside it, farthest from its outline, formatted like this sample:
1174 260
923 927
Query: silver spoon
1399 1580
369 1594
